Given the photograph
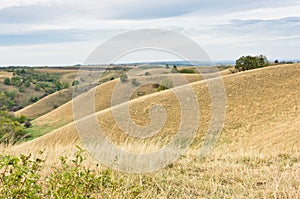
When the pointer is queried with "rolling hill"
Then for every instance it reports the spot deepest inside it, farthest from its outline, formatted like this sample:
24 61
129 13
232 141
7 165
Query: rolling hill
48 118
260 105
256 156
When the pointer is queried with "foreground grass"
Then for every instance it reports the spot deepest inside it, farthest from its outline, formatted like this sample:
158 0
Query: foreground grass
221 175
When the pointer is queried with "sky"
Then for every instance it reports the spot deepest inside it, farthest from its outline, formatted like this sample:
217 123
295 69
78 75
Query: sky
56 32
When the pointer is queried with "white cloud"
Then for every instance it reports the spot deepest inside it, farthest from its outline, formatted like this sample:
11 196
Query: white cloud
226 28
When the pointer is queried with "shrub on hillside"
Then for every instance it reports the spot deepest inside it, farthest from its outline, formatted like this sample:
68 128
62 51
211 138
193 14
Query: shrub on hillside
22 119
11 130
250 62
27 123
75 83
16 81
187 70
34 99
20 177
123 78
22 89
7 100
27 83
165 84
7 81
37 87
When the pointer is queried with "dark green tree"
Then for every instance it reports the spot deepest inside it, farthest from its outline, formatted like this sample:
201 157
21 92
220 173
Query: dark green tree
7 81
251 62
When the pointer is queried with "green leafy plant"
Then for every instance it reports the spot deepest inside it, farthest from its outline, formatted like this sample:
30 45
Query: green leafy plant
165 84
19 177
11 129
251 62
123 78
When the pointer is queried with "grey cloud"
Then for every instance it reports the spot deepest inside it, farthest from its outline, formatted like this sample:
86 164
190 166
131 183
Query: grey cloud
161 9
133 9
278 27
38 13
54 36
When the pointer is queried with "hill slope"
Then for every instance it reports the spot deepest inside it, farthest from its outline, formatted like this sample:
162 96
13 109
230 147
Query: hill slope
53 119
262 113
257 155
47 104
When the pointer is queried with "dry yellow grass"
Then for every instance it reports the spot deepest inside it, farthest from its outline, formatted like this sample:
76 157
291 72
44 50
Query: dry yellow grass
257 155
103 96
258 103
47 104
69 77
4 74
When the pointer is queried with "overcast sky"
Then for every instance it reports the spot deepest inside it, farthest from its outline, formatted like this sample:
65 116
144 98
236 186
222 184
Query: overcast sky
56 32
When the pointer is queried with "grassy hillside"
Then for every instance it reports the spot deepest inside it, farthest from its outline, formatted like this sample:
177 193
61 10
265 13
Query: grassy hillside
257 155
46 104
29 85
257 102
52 118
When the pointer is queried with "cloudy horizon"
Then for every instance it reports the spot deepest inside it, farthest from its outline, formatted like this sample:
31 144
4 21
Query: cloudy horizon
53 32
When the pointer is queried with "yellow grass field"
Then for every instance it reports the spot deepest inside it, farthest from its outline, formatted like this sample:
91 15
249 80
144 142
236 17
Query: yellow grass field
4 74
48 117
256 156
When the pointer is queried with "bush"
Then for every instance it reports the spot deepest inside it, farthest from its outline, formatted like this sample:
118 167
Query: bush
250 62
7 81
7 101
11 94
123 78
27 124
11 130
65 85
75 83
16 81
37 87
19 177
165 84
74 180
50 90
22 89
34 99
147 74
22 119
44 95
27 83
187 70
